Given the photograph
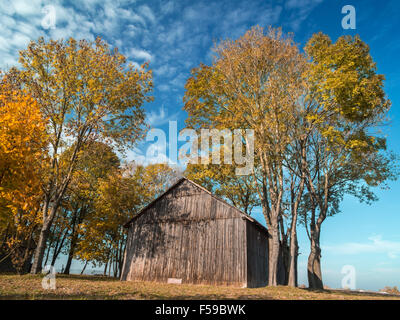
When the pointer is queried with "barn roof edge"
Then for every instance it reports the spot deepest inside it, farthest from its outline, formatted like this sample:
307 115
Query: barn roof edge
244 215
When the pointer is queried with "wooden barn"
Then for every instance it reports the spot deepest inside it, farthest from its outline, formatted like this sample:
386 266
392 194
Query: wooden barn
188 235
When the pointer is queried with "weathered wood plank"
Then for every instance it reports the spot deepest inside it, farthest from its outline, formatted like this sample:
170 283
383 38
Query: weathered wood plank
189 234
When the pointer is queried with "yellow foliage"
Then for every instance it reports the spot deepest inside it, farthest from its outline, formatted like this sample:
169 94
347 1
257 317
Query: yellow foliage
118 198
22 150
23 143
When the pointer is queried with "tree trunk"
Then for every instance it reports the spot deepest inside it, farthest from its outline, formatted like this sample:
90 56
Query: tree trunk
121 257
70 255
84 267
293 260
73 240
115 268
69 262
39 252
273 256
105 268
283 263
43 236
314 262
48 219
116 261
295 201
57 249
284 255
110 266
296 273
294 248
28 252
48 252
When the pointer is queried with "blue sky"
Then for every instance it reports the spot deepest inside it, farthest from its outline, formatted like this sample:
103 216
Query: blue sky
175 36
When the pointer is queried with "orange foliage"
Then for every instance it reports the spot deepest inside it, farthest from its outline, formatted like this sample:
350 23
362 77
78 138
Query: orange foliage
22 159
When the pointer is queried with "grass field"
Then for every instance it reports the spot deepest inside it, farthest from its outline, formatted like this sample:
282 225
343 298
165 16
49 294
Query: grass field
95 287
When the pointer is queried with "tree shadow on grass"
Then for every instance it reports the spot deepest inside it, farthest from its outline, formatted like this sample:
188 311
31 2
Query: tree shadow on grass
86 277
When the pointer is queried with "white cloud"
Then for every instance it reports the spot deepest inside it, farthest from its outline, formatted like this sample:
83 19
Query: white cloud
165 70
6 7
21 21
375 245
27 8
131 30
19 40
140 54
164 87
160 117
130 16
394 271
167 7
173 35
179 81
301 3
301 9
7 23
148 13
154 117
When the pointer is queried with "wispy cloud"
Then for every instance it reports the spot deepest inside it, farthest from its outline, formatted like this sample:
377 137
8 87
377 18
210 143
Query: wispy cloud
160 117
375 245
21 21
298 11
140 54
148 13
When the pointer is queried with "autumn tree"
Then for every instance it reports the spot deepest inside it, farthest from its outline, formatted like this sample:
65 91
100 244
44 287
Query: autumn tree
119 197
95 162
88 92
345 152
23 148
58 235
255 82
221 180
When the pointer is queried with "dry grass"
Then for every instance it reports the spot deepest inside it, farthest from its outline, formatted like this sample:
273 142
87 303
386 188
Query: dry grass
92 287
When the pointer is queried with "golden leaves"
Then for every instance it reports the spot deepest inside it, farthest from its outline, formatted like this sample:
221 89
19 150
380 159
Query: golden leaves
342 76
118 197
86 87
255 82
23 147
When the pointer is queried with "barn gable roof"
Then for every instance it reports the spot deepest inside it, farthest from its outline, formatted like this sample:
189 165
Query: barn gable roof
176 184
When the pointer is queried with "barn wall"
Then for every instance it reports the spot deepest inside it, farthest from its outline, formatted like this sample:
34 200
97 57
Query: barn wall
257 256
189 235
